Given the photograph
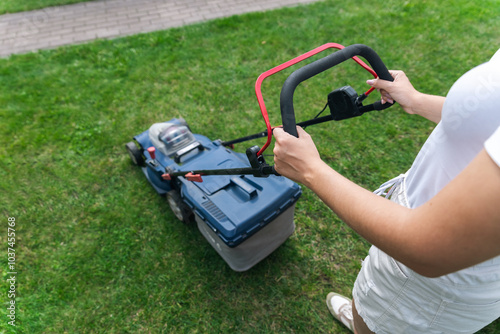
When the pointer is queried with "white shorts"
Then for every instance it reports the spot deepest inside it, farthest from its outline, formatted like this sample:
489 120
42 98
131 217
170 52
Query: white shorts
392 298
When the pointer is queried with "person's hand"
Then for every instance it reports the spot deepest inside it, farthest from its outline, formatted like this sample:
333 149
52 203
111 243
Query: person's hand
294 157
400 90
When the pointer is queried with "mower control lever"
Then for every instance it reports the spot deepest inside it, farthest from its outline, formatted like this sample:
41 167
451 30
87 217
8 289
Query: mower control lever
152 153
151 150
345 103
259 166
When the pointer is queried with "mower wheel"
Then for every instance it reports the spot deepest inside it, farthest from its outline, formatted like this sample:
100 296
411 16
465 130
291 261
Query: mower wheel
135 154
180 209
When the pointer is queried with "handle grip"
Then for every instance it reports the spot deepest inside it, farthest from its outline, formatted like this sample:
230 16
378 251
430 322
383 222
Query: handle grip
320 65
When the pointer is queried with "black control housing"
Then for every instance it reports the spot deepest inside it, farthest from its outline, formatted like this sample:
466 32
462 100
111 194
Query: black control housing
343 103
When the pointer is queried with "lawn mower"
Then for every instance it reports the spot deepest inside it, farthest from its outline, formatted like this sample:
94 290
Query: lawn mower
240 204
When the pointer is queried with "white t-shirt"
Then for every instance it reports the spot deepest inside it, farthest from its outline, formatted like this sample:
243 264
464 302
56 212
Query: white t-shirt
470 116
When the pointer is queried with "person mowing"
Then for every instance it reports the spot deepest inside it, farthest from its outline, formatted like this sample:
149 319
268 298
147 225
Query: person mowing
434 266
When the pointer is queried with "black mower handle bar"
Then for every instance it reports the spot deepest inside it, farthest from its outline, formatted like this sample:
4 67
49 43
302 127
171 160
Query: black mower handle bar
320 65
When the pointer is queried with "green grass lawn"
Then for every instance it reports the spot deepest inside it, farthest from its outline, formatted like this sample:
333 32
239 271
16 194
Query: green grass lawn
99 252
13 6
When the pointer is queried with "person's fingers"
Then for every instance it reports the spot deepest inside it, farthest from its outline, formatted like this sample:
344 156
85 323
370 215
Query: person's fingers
379 83
381 86
386 97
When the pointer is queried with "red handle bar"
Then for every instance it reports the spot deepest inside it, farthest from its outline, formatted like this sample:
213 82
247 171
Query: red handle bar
289 63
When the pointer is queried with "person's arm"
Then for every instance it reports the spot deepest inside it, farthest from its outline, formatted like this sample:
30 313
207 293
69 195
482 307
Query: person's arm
457 228
411 100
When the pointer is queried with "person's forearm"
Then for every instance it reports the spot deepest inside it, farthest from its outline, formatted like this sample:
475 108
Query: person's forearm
428 106
381 222
387 225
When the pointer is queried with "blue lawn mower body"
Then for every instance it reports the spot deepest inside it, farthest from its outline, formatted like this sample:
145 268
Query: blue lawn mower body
230 210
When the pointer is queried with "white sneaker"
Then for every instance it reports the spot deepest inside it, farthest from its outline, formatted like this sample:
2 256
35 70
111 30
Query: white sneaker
341 309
